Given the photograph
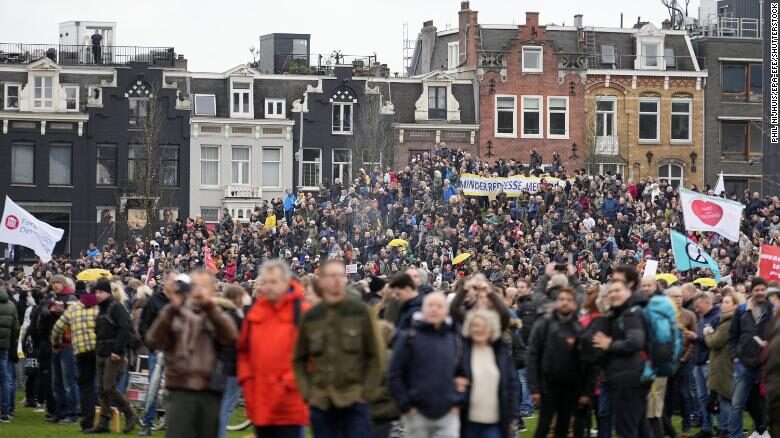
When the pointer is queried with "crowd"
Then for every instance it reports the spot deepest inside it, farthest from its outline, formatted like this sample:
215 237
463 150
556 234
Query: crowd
396 299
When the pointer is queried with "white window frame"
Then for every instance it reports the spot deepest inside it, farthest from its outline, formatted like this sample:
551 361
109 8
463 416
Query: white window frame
279 163
6 86
528 69
657 113
248 162
514 116
659 56
300 169
65 97
213 112
550 111
540 111
43 103
453 55
274 114
671 178
600 113
218 161
348 164
247 113
672 113
340 106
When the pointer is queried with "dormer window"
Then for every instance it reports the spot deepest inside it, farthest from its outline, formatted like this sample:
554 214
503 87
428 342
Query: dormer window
11 97
44 92
205 105
71 97
275 108
650 54
241 100
650 58
532 59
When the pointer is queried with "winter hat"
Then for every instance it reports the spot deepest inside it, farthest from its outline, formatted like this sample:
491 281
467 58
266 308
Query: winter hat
376 284
102 285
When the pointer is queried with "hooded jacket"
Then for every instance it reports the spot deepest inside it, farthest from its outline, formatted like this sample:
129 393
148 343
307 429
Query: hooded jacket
265 353
9 322
624 363
721 372
151 309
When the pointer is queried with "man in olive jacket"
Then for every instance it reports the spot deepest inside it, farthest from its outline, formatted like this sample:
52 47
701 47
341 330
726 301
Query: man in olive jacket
9 333
337 359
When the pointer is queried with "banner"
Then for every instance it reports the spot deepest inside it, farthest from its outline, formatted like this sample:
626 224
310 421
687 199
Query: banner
475 185
689 255
651 268
18 227
708 213
720 186
769 263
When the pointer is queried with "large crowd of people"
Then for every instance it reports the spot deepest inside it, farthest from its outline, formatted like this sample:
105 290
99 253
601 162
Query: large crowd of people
393 301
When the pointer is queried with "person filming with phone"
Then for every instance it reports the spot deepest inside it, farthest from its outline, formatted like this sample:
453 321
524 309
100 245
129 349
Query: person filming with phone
192 331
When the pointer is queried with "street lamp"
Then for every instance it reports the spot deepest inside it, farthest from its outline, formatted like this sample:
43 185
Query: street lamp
693 156
490 148
573 151
649 156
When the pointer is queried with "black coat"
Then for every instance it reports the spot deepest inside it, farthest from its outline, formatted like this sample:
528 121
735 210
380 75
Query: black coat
744 328
553 354
623 363
151 309
113 329
508 387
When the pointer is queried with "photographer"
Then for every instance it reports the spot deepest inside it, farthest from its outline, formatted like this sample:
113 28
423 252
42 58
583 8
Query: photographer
191 331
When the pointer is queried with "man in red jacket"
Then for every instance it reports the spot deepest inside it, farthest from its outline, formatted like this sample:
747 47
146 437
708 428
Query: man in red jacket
265 353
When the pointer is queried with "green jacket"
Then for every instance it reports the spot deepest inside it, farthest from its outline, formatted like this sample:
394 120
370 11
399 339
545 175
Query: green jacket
720 378
337 360
9 323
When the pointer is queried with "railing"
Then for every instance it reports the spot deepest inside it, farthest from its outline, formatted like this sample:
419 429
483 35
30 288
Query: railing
14 53
243 191
660 62
606 146
720 26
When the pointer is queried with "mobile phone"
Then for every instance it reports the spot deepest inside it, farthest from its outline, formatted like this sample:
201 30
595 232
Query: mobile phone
758 340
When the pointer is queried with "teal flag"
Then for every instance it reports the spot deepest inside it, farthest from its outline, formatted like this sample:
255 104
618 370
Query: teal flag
689 255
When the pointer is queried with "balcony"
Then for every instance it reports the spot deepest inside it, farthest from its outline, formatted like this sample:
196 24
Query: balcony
239 191
15 53
606 146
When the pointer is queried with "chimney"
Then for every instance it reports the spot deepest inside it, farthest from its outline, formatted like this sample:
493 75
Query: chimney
468 35
532 19
427 41
666 24
578 21
181 62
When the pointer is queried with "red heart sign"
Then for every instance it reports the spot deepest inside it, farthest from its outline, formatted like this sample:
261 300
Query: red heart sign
708 212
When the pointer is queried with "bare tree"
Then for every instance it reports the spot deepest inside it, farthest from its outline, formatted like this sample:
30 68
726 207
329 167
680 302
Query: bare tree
372 138
678 10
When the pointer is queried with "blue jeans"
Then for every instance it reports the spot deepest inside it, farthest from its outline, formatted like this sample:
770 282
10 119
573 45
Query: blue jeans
63 383
702 394
229 401
744 379
526 407
11 386
5 384
724 417
349 422
150 409
604 414
682 389
478 430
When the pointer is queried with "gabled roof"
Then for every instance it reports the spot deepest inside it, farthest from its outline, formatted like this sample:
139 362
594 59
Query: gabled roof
240 70
436 75
44 64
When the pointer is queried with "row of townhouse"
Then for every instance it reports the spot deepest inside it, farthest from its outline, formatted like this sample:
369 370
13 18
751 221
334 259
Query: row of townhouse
643 102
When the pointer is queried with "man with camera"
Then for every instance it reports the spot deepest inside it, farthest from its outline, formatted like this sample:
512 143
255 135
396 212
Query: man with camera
191 331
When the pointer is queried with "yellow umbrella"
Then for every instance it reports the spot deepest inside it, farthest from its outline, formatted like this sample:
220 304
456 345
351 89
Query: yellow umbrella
460 258
705 282
93 274
398 242
670 279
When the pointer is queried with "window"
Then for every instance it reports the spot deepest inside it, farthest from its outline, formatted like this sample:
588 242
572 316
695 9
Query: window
241 100
740 139
342 118
650 55
209 165
11 97
532 117
453 55
106 165
311 172
205 105
71 97
649 120
605 118
169 162
139 107
681 120
342 162
136 163
742 82
669 58
608 55
672 173
210 214
506 107
22 164
60 164
275 109
558 117
43 90
272 167
437 103
300 51
240 161
532 59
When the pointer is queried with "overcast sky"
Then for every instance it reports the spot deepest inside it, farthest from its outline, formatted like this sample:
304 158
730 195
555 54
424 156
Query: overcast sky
216 35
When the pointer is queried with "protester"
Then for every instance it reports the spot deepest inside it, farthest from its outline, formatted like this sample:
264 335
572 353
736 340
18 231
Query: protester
265 354
63 362
9 333
405 291
680 385
190 330
772 375
113 331
709 315
428 355
721 368
79 322
230 302
337 359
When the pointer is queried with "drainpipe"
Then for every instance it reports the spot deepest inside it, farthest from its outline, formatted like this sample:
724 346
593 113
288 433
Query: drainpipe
300 147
